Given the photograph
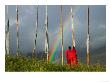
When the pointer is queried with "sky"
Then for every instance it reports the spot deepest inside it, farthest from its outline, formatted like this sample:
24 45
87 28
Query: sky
27 27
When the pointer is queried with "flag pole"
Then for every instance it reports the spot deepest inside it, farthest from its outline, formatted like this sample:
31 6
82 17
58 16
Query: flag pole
73 35
7 36
61 26
47 38
88 42
33 52
17 31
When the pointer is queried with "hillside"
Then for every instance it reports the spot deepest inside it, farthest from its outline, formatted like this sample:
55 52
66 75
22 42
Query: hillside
25 64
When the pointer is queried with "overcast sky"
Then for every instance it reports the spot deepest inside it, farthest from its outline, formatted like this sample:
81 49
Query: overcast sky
27 19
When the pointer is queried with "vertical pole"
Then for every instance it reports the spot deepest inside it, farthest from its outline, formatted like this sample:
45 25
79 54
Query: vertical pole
47 39
61 35
73 35
33 53
7 35
17 31
88 41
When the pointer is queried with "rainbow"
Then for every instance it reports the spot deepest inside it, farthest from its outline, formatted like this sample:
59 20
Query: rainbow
57 41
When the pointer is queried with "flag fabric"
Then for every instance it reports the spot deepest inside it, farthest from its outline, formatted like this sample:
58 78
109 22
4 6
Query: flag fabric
7 30
35 41
7 36
47 38
73 36
17 31
61 35
88 42
36 26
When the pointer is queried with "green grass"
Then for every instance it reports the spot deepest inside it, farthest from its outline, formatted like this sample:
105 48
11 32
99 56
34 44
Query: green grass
24 64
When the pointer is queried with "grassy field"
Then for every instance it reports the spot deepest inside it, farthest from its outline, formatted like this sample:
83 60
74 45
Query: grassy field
25 64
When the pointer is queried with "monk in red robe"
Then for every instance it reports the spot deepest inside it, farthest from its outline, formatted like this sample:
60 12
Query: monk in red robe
74 57
68 55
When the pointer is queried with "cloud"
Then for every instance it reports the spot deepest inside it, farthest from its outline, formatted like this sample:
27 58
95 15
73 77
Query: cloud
98 39
27 19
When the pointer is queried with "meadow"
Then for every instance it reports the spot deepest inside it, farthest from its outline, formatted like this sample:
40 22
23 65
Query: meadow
26 64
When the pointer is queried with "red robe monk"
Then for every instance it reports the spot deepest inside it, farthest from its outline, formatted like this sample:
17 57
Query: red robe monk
74 56
69 55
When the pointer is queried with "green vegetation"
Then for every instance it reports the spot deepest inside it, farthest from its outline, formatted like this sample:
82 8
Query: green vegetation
23 64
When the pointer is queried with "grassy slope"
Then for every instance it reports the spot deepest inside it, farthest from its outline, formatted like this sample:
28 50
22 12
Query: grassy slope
27 64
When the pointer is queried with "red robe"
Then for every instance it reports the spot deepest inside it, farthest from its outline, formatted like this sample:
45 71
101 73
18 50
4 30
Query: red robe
74 57
68 56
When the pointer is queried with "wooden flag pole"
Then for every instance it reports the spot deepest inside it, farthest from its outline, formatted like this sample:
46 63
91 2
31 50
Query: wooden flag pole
7 36
88 41
17 31
73 35
33 53
61 34
46 39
